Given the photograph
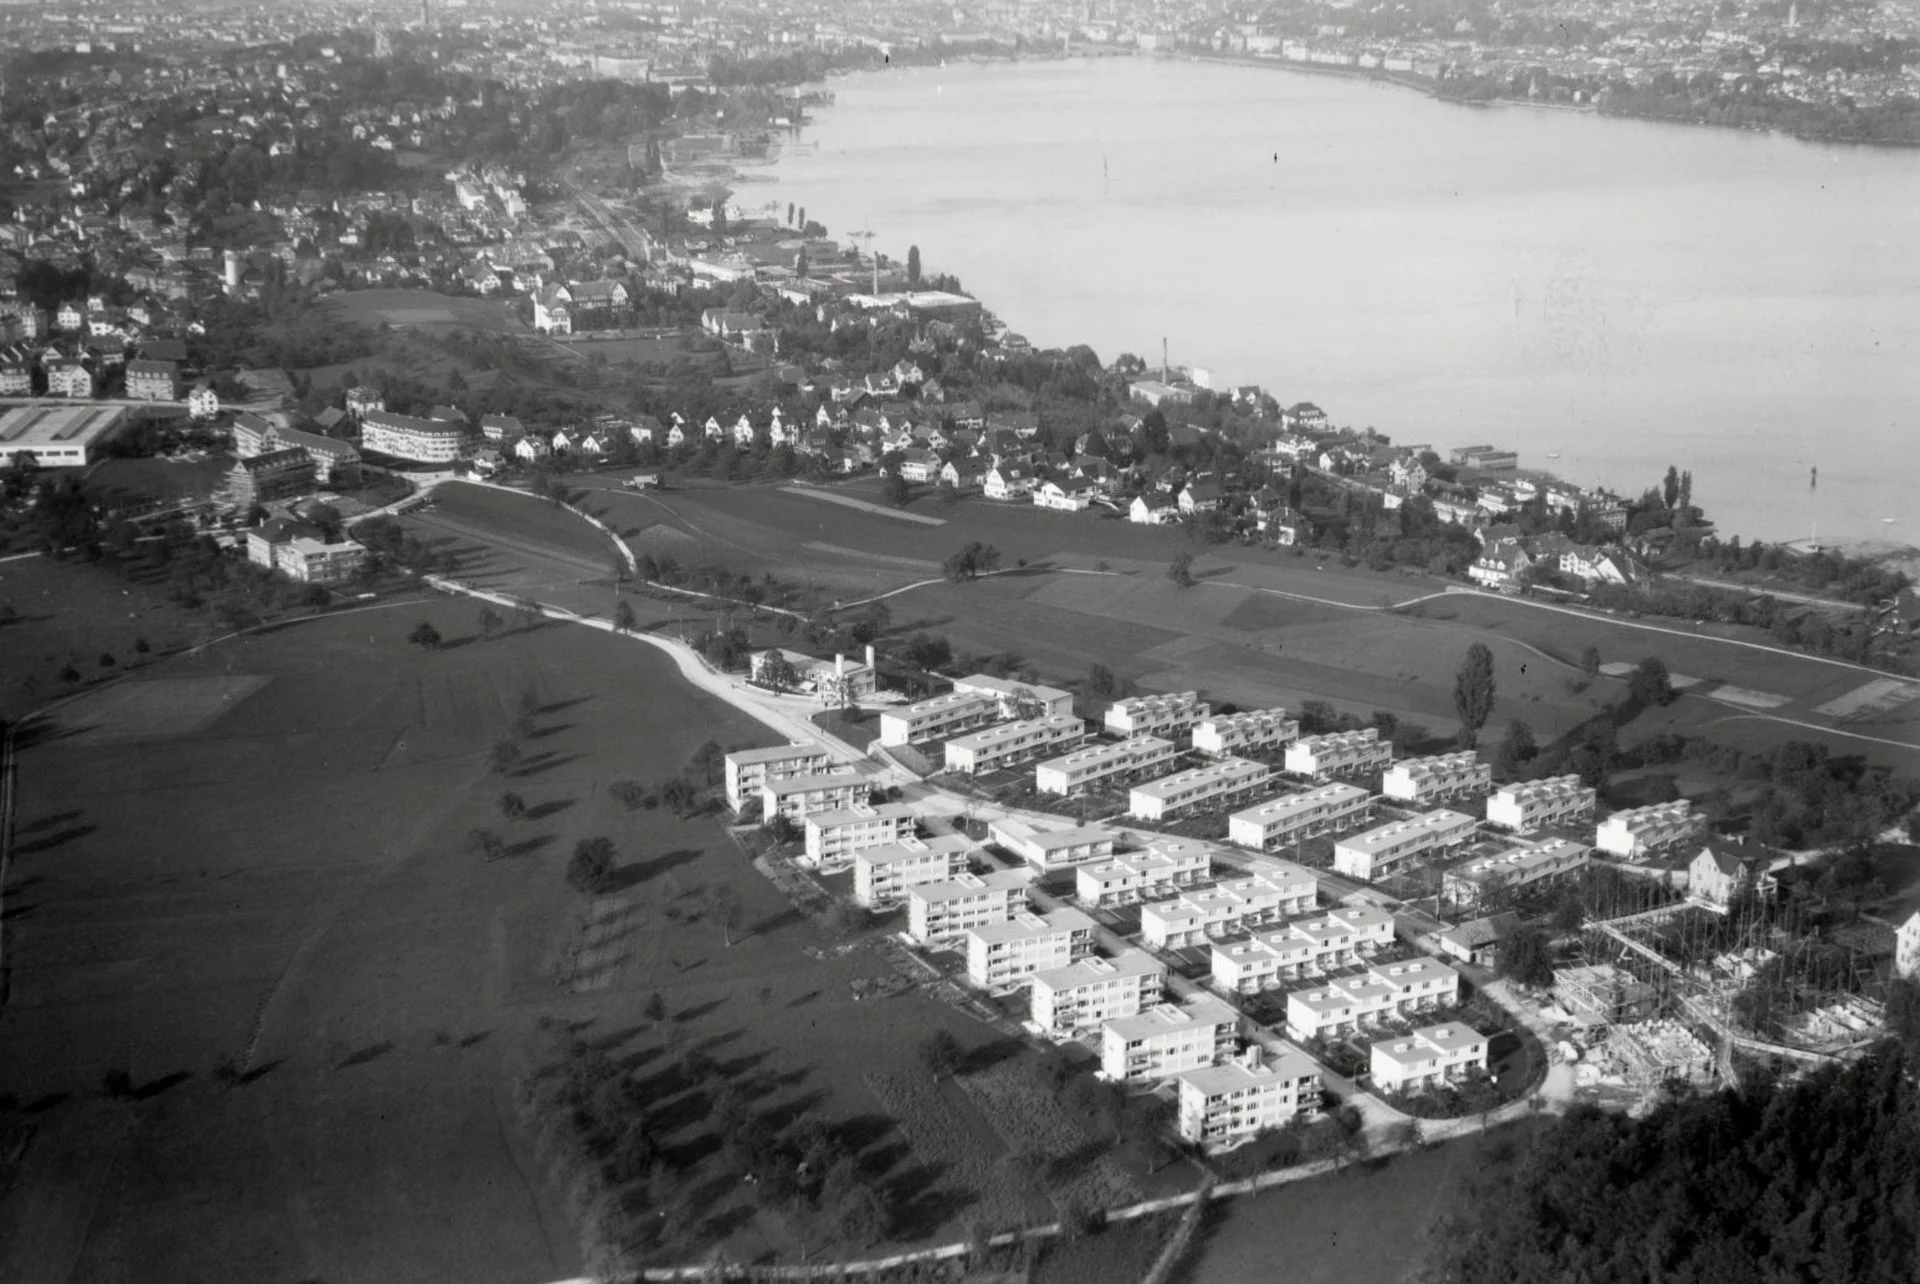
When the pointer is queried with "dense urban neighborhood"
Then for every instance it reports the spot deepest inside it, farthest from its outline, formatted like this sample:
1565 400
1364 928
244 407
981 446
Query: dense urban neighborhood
522 654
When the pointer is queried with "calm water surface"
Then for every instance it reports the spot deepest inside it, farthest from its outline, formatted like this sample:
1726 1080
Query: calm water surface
1625 294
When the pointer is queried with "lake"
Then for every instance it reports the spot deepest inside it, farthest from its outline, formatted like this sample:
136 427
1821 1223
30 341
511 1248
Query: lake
1622 294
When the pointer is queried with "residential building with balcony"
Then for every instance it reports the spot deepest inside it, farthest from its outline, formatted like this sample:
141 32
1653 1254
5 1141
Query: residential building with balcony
946 911
1437 778
798 796
1278 822
1341 753
1250 731
1218 784
1221 1104
1200 914
1525 806
1087 994
938 717
1350 1004
882 875
1469 884
1101 764
1167 1040
1906 947
833 836
1015 696
1386 849
1639 832
432 441
1048 850
153 380
1427 1058
1341 937
1170 717
1011 743
748 769
1003 955
1158 869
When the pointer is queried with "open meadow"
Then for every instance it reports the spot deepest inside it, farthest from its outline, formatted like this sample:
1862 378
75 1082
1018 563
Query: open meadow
400 307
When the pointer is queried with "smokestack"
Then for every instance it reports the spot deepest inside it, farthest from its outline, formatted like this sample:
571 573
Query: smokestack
1166 370
839 666
870 663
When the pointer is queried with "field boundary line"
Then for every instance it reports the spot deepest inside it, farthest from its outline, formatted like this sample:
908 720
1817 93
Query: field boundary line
1814 726
984 575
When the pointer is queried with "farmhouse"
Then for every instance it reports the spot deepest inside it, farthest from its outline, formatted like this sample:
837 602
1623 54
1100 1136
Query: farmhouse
1154 871
833 836
1166 1040
1249 732
1715 878
1526 806
1386 849
938 717
1245 1096
1231 905
1428 1057
1002 955
1096 990
1294 817
942 911
1048 850
1341 753
1215 785
748 769
1468 884
799 796
1340 937
1071 773
1166 716
882 875
1347 1005
1437 778
1639 832
1013 742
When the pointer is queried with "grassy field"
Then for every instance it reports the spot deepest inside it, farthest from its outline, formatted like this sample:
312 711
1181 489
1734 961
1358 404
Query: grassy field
424 308
168 480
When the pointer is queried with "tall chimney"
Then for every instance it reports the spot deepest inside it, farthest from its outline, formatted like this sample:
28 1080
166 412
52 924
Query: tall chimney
870 663
839 665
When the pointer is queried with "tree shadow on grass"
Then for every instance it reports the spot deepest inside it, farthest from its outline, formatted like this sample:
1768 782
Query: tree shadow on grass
640 871
695 1013
552 806
542 763
155 1087
528 846
723 1224
372 1052
773 923
261 1071
862 1131
560 705
989 1055
919 1207
58 839
47 822
40 1105
475 1039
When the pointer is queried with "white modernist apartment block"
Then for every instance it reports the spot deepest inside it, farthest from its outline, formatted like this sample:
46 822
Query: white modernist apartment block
1428 1057
1309 947
1217 784
1166 1040
882 875
1324 809
1156 870
404 437
1013 696
1083 768
1047 850
938 717
1223 1103
1437 778
1249 732
1001 955
1468 884
833 836
748 769
1641 831
1232 905
939 912
1084 995
1529 805
1352 1003
1013 742
1906 947
1343 753
797 797
1387 849
1170 717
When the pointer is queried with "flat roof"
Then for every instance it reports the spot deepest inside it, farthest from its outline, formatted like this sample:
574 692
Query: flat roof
1291 804
1232 1076
814 780
1087 971
1014 730
1228 770
1000 880
1433 822
774 753
1029 924
1166 1017
857 813
911 849
58 427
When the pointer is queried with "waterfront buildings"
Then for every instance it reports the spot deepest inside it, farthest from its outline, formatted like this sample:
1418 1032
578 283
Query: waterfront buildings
883 875
1166 1040
834 835
1084 995
1529 805
941 912
1250 731
1438 778
1113 762
1003 955
1428 1057
1289 819
1387 849
1215 785
1639 832
1199 914
1012 742
748 769
1342 753
1245 1096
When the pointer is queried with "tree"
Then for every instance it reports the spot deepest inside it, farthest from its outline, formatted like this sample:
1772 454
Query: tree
489 621
1180 570
1473 692
940 1053
1670 488
1101 682
896 489
512 806
777 673
913 265
425 636
1650 684
1516 749
1526 956
971 562
487 843
623 617
1590 662
723 907
505 756
591 868
630 794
